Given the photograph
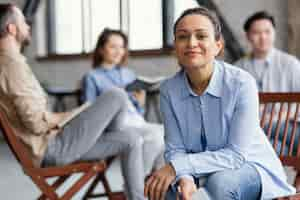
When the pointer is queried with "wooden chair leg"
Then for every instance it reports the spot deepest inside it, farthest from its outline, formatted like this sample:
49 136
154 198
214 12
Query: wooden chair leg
111 195
106 186
89 193
55 185
297 182
47 190
78 185
107 190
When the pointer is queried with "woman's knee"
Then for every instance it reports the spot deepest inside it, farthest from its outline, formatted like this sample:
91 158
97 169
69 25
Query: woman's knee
243 183
221 185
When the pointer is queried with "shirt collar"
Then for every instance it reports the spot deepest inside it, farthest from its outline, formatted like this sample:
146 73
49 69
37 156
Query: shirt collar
100 68
214 87
269 56
13 53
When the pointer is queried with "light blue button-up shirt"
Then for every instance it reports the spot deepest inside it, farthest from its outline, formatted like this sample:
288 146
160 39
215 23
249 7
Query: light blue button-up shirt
101 79
227 115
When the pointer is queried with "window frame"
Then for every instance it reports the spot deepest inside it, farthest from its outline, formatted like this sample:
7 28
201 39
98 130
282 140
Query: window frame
167 35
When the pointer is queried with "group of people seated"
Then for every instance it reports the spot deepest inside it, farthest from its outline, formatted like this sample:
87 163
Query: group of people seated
210 135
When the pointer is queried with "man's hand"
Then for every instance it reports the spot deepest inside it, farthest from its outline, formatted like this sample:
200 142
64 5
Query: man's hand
61 116
56 118
158 183
140 96
186 187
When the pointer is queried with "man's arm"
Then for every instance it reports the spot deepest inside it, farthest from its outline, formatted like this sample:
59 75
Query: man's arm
29 100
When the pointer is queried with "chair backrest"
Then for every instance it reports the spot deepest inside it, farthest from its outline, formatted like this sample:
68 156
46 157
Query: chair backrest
17 147
279 114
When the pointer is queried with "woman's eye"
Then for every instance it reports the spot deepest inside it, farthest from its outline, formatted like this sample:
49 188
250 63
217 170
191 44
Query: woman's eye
182 37
201 36
186 37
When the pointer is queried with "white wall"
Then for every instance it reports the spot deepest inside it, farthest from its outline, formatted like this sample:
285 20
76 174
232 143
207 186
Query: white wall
69 72
237 11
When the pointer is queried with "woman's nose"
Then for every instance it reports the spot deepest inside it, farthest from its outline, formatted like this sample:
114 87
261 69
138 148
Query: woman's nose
192 41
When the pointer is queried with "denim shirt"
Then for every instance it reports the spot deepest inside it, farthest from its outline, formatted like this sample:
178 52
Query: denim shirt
100 79
230 124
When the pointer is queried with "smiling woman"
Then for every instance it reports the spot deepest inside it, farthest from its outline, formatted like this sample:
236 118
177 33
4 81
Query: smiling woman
197 47
210 115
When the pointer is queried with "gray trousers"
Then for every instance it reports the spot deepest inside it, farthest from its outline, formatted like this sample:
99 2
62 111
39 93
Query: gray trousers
98 133
153 146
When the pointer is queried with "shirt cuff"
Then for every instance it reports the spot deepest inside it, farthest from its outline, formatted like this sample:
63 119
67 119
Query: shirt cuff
177 179
181 165
186 176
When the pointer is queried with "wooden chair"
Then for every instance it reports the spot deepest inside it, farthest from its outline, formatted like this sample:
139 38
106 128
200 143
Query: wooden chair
40 175
279 113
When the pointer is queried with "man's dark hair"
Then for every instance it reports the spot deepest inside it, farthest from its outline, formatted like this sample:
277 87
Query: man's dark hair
7 16
258 16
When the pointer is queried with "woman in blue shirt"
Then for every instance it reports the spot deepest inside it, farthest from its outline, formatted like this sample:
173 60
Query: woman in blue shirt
212 133
109 57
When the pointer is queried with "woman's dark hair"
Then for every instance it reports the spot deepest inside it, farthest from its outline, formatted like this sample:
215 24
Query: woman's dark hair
7 15
102 40
258 16
205 12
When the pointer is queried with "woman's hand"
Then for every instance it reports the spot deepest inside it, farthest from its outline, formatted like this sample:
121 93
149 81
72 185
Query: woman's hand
158 183
140 96
187 188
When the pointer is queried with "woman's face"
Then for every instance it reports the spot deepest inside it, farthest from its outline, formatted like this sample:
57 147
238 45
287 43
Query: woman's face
195 42
113 50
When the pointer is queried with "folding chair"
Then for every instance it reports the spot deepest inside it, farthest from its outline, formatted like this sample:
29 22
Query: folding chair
281 111
40 175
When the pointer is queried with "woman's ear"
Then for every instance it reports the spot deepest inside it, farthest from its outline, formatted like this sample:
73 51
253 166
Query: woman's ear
220 45
12 29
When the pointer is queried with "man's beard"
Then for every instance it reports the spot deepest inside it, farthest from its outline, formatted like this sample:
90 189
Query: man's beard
23 40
